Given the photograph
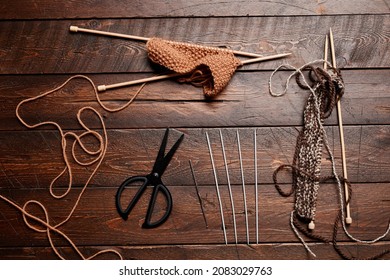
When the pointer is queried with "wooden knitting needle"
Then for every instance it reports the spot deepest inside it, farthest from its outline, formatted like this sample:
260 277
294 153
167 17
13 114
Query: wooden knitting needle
173 75
140 81
326 52
348 218
139 38
73 28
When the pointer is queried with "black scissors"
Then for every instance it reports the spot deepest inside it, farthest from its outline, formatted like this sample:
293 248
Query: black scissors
153 179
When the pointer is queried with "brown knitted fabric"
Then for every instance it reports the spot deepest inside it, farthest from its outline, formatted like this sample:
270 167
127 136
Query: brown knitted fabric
308 153
328 88
216 66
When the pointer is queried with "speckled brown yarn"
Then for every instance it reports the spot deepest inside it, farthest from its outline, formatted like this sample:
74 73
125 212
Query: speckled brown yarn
216 66
329 88
326 89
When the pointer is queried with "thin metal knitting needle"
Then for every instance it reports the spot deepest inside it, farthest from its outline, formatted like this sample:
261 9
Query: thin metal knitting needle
217 187
173 75
229 186
197 193
348 218
256 187
139 38
243 188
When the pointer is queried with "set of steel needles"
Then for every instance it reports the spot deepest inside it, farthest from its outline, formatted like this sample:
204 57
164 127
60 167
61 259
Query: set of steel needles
217 185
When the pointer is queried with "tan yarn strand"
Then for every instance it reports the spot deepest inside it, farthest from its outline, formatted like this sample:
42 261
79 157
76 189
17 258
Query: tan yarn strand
77 141
49 227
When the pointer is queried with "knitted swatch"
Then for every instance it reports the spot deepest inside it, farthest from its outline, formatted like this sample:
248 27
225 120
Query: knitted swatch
308 153
213 66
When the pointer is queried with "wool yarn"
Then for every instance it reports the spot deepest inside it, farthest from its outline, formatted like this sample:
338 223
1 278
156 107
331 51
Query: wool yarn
212 68
329 87
326 88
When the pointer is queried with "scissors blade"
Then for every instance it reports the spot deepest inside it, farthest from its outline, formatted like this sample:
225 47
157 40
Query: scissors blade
161 151
163 161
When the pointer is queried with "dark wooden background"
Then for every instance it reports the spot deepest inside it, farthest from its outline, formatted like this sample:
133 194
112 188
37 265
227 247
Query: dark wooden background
37 53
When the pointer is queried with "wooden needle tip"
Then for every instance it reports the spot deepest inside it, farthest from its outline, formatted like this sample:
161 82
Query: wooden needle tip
330 33
348 220
102 88
73 28
312 225
283 54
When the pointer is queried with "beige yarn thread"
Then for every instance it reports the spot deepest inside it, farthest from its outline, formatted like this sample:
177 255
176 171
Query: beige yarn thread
78 139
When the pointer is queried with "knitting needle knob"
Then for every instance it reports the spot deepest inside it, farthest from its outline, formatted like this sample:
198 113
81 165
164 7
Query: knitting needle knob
102 88
73 28
311 225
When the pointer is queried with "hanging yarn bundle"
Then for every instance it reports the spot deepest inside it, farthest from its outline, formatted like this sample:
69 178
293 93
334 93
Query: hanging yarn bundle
212 68
326 88
329 88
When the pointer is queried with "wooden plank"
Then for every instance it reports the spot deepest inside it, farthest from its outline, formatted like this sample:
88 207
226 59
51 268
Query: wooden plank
34 40
43 9
38 47
96 221
35 157
275 251
245 102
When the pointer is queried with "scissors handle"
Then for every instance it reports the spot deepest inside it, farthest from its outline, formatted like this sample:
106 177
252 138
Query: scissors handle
136 179
156 189
168 198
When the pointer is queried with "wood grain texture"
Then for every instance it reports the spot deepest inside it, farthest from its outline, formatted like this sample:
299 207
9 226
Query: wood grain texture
34 157
37 53
34 47
245 102
269 251
42 9
96 220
